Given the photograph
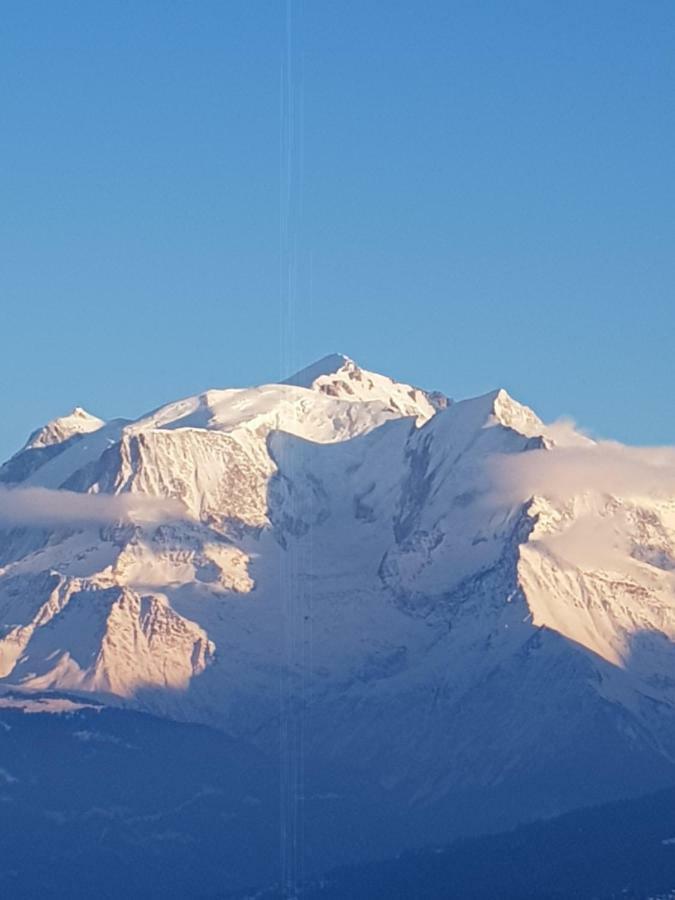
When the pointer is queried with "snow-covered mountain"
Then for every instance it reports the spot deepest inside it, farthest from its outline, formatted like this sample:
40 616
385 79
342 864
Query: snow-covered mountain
471 609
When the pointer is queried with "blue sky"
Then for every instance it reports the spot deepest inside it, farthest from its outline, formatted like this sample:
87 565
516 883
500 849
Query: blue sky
484 196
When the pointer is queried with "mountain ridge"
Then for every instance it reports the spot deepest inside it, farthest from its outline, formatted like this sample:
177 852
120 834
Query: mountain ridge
446 600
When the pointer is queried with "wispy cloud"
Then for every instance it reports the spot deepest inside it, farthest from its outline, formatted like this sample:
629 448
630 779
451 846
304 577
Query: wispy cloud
41 506
605 467
600 535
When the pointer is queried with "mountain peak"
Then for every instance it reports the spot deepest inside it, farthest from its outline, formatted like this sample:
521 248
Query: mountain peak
327 365
500 407
339 377
78 421
530 586
512 414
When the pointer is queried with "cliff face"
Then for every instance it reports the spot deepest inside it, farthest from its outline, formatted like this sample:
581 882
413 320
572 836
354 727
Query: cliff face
446 598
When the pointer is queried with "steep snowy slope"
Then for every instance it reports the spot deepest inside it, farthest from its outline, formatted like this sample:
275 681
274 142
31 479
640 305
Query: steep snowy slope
78 422
339 376
456 600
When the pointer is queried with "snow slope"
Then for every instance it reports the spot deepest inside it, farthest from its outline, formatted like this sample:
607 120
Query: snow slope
78 422
454 597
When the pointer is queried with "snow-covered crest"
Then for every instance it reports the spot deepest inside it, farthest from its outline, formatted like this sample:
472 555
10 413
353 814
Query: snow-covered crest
79 421
418 548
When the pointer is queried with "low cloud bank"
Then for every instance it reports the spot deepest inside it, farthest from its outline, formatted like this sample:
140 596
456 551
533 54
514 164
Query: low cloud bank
605 467
41 506
598 537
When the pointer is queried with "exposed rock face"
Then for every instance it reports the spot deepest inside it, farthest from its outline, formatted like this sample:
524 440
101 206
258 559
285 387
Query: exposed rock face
377 551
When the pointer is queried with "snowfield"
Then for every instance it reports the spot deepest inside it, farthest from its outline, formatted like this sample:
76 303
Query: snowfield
453 597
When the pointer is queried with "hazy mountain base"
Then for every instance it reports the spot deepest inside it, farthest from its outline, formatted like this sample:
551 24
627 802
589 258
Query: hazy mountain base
619 851
105 802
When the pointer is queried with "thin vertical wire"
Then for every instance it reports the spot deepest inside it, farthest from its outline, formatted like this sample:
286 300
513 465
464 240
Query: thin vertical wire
291 694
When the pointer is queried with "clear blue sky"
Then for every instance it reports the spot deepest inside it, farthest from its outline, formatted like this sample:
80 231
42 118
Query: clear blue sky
488 198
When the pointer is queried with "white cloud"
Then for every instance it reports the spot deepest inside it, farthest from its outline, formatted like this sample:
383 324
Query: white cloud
605 467
41 506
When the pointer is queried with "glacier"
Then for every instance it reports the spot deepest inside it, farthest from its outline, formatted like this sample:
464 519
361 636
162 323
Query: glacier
464 608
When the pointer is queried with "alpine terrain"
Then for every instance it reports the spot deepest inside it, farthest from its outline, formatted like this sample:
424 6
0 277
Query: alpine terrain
410 618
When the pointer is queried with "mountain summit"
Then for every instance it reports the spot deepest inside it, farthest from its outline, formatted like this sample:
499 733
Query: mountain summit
457 600
79 421
339 376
